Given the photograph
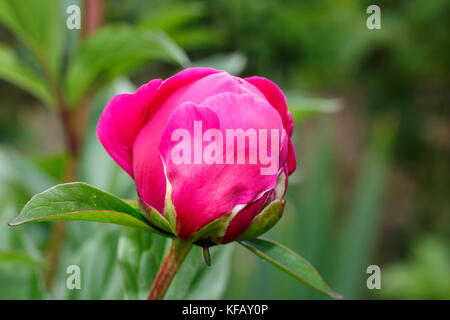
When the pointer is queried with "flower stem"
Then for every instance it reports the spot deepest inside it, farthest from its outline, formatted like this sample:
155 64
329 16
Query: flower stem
172 262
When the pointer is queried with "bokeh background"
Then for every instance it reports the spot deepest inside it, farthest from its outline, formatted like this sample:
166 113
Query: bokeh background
372 129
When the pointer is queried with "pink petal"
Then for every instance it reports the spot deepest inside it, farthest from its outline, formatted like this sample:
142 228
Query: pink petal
122 119
278 100
244 111
242 220
275 97
289 124
191 85
247 111
292 161
204 192
149 173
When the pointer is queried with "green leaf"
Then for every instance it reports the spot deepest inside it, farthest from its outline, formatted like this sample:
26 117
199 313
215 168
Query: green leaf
195 280
186 275
289 262
233 63
303 108
211 282
311 229
12 257
139 255
20 260
100 274
17 170
39 26
80 201
359 232
114 51
172 50
15 72
172 17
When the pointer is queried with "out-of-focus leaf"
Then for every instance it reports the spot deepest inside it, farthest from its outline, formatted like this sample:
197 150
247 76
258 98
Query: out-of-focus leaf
51 164
139 254
233 63
289 262
185 275
39 25
80 201
180 21
172 17
13 71
12 257
20 261
194 276
99 273
427 264
359 232
303 108
15 169
173 51
196 38
113 51
316 207
211 282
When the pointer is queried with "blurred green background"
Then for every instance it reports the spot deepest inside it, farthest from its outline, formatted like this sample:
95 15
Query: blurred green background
372 129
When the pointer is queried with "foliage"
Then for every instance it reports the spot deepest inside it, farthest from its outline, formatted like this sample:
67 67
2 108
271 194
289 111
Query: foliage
393 101
428 264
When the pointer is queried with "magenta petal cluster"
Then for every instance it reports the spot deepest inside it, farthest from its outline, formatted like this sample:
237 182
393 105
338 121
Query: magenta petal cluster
218 200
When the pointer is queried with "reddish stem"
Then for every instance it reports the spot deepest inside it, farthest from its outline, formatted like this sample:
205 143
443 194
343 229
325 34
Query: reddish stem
74 125
172 262
93 16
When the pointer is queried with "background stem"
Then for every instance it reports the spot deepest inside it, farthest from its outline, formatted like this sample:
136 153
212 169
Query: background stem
74 124
172 262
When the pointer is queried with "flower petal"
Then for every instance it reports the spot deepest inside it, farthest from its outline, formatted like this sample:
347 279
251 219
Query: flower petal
191 85
149 174
275 97
278 100
122 119
204 192
244 111
292 161
242 220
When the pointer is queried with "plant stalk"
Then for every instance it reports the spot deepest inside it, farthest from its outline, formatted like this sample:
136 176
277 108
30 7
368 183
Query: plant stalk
59 227
74 125
172 262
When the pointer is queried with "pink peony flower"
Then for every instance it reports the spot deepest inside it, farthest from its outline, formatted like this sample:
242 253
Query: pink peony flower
210 153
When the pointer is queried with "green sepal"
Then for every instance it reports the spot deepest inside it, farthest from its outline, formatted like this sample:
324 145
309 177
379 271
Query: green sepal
169 209
265 220
154 217
214 230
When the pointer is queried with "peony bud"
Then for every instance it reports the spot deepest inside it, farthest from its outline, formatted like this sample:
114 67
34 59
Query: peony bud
210 153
